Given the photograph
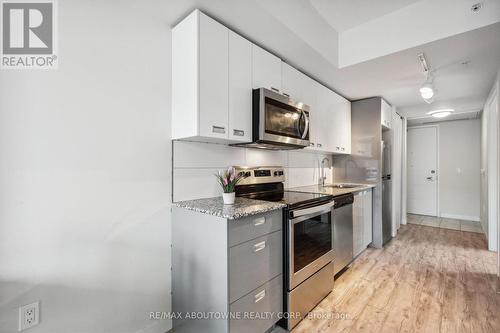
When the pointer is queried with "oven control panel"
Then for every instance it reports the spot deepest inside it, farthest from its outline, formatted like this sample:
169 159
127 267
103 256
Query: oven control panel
261 175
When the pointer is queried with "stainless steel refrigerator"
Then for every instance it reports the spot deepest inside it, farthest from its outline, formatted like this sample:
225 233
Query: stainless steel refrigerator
386 192
365 163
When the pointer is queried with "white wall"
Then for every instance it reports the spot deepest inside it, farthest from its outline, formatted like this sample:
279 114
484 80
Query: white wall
459 169
85 174
196 163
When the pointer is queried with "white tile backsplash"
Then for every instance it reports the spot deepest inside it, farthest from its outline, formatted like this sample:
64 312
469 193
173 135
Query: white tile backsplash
261 157
307 159
206 155
195 163
195 184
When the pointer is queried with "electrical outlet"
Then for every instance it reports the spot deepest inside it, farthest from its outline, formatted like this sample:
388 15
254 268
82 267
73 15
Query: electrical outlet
29 315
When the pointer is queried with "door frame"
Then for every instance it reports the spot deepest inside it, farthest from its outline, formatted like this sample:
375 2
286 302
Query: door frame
492 188
438 173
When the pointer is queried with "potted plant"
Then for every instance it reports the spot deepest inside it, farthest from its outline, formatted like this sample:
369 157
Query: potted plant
228 180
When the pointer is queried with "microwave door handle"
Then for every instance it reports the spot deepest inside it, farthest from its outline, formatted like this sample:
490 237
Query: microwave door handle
306 129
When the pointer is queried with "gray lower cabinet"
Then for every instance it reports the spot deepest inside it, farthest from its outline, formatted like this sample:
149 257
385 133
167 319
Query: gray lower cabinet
265 301
362 221
226 267
253 263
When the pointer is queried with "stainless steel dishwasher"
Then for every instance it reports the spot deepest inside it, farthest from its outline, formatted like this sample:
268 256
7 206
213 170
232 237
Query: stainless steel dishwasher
342 231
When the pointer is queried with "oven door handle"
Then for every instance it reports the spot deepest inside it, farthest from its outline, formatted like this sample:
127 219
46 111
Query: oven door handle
317 209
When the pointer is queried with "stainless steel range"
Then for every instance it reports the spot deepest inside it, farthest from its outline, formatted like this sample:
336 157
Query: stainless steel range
308 238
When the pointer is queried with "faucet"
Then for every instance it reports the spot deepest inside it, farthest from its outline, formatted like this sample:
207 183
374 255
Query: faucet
322 176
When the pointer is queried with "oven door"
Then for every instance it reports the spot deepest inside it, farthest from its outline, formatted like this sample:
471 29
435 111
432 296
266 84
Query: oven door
282 120
310 242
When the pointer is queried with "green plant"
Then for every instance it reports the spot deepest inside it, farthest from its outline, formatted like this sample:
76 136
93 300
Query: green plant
228 179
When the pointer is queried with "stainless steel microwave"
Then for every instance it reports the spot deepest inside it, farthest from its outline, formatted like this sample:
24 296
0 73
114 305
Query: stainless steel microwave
278 122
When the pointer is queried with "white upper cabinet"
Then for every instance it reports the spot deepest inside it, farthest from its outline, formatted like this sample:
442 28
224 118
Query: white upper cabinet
200 79
332 122
266 69
213 79
343 107
240 88
293 83
213 73
386 116
323 120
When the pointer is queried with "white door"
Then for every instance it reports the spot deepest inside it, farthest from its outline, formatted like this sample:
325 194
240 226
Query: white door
422 171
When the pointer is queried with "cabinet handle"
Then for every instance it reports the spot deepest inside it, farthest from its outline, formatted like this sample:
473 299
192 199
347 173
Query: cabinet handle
277 90
260 296
259 246
311 144
259 221
319 145
218 129
238 132
285 94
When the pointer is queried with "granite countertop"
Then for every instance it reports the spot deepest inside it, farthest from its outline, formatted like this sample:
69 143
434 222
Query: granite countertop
241 208
335 191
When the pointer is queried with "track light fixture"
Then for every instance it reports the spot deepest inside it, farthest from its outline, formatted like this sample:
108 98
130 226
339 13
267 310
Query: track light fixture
427 90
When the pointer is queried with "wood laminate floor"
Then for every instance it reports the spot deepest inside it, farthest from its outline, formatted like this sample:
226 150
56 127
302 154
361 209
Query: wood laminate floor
424 280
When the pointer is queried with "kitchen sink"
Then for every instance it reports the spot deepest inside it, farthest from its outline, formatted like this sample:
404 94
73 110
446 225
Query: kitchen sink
343 185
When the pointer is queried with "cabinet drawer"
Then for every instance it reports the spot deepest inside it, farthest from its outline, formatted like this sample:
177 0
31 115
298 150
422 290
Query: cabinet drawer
254 226
265 301
253 263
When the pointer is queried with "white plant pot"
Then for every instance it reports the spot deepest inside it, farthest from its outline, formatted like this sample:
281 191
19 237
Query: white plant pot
228 198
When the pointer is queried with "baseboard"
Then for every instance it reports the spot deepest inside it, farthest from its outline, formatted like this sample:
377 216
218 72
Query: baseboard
460 217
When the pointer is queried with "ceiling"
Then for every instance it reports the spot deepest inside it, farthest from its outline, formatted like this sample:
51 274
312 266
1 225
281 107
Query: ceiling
304 34
464 68
343 15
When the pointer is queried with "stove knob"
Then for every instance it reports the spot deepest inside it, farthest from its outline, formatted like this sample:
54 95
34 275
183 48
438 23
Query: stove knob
276 173
248 174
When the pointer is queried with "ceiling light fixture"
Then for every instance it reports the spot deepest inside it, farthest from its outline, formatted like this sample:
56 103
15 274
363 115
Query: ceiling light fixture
441 113
427 89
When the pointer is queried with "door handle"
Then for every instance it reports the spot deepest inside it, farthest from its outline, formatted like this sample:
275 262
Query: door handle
429 178
259 221
259 296
238 132
218 129
259 246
